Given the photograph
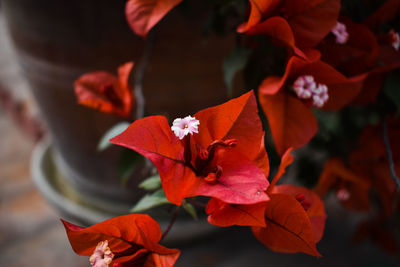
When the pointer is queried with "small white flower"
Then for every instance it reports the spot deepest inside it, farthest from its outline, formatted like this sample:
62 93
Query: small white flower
102 255
182 127
304 86
342 194
320 95
395 39
340 31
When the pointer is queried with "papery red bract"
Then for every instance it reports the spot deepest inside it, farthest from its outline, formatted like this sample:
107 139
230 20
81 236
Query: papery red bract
292 123
133 239
105 92
300 24
291 120
143 15
242 166
288 227
337 176
224 214
315 212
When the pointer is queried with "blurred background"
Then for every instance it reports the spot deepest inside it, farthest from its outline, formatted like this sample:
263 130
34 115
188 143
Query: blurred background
38 63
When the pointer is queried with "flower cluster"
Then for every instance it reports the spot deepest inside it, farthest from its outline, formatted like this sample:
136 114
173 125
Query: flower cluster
220 152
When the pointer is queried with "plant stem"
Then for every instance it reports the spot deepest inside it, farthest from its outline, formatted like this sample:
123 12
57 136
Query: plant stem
171 223
139 75
196 203
389 154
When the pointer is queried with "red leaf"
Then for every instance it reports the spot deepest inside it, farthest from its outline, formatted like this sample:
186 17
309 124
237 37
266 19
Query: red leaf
131 238
288 227
240 180
143 15
223 214
105 92
286 160
315 212
292 123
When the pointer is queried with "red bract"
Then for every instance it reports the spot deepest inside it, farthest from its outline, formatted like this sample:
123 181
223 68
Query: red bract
290 118
133 241
291 221
143 15
300 24
362 56
351 189
226 159
105 92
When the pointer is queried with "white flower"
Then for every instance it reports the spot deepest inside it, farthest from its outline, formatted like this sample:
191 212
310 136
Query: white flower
395 39
182 127
320 95
102 255
304 86
340 31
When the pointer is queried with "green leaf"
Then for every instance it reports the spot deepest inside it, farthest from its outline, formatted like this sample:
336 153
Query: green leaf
235 62
127 164
392 88
151 183
113 131
191 210
149 201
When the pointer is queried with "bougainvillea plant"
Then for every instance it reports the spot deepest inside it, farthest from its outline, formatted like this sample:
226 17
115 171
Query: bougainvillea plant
333 90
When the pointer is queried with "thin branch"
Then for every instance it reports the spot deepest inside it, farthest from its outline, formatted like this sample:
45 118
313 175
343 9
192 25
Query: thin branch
389 154
139 75
171 223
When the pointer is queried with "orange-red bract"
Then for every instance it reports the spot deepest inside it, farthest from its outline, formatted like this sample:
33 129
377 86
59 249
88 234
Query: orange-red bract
143 15
105 92
291 120
133 239
300 24
291 221
355 188
241 167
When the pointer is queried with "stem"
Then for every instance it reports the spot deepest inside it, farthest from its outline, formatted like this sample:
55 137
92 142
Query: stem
196 203
171 223
139 75
389 155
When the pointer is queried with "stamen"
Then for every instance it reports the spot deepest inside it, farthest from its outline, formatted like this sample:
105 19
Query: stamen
102 255
340 31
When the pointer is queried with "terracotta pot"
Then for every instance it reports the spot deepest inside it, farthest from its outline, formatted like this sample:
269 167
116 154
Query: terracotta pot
56 42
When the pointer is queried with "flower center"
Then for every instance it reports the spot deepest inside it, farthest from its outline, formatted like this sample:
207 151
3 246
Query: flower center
340 31
102 255
205 164
305 87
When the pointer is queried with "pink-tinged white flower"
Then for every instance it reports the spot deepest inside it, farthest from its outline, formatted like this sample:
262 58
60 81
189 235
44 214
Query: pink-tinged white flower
395 39
342 194
185 126
304 86
102 255
340 31
320 95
